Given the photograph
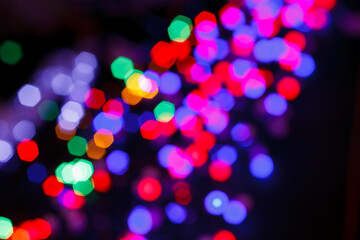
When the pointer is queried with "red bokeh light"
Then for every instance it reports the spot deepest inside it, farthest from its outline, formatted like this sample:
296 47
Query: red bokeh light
102 180
41 229
205 16
163 54
52 187
94 98
149 189
113 107
167 128
27 150
296 38
198 155
182 49
220 171
224 235
211 86
205 140
325 4
150 130
182 193
289 88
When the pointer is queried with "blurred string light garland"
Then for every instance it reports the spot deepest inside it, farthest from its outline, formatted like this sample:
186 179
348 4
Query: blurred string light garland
193 84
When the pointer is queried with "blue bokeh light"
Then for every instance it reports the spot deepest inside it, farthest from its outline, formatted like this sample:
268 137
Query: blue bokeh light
275 104
306 67
170 83
261 166
216 202
140 220
226 153
225 100
108 121
118 162
176 213
36 172
235 212
241 132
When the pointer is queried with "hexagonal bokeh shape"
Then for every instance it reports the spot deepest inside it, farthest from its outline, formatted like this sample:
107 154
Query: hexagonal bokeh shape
27 150
180 29
164 111
29 95
6 228
103 138
77 146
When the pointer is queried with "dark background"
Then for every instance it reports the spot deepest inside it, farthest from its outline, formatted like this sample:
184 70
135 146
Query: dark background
305 198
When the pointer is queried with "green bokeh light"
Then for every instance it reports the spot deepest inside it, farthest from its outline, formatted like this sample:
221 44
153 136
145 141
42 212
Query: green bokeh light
6 228
64 173
83 188
10 52
77 146
75 171
48 110
82 170
180 28
122 67
164 111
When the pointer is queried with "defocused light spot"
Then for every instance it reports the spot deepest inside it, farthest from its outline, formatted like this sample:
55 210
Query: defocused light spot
29 95
94 151
94 98
261 166
226 153
108 121
48 110
122 67
52 187
180 28
62 84
36 172
103 138
216 202
117 162
6 228
102 180
163 54
275 104
164 111
231 17
70 200
77 146
140 220
288 87
20 234
10 52
235 212
306 66
220 171
241 132
176 213
83 188
224 235
24 130
27 150
6 151
149 189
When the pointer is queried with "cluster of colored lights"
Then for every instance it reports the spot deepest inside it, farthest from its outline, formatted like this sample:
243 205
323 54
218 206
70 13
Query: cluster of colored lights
193 84
36 229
